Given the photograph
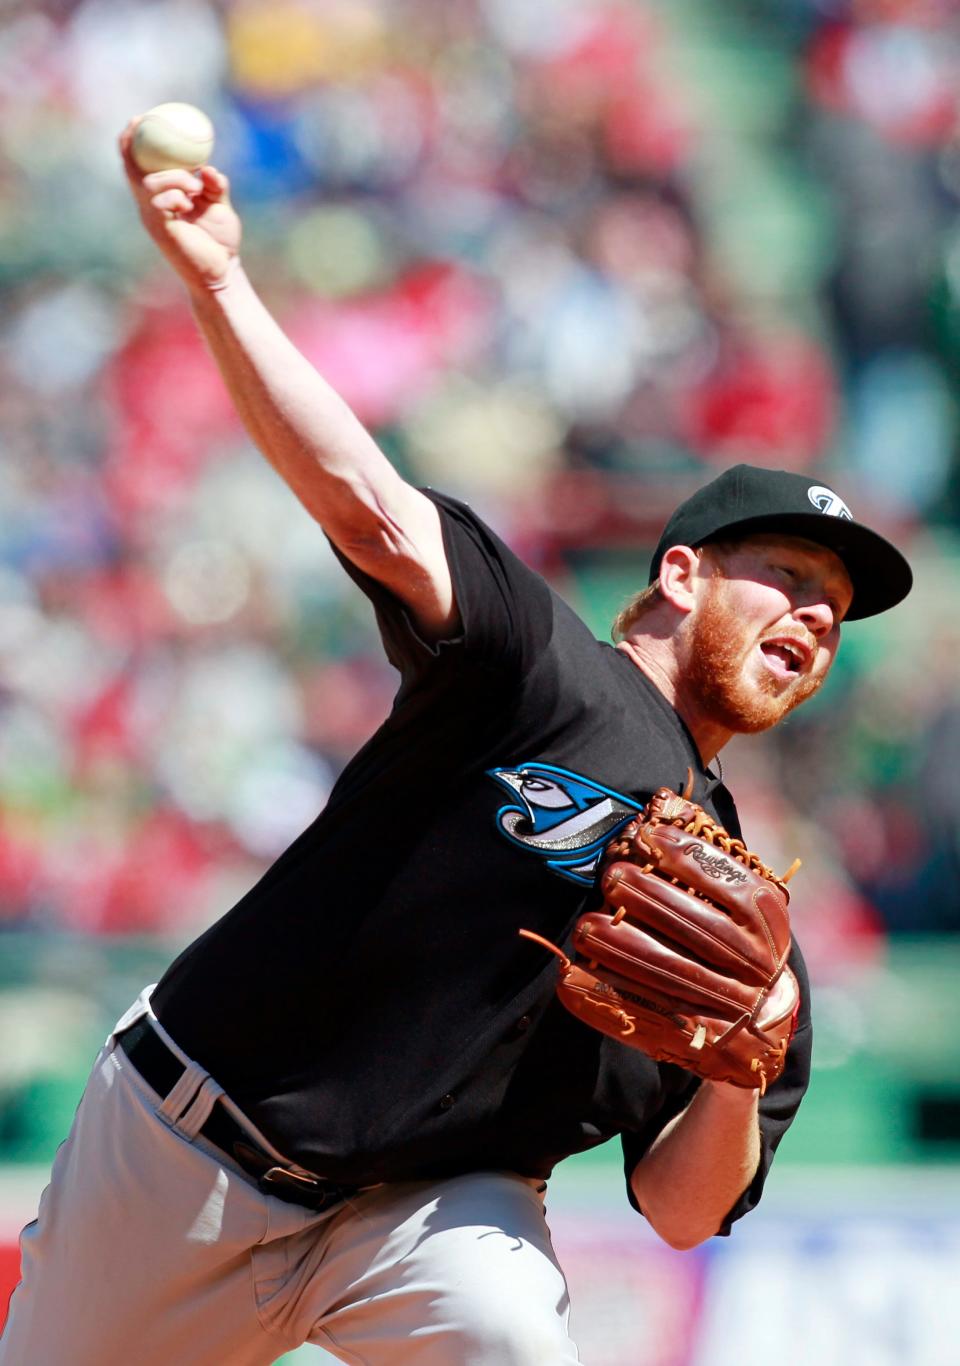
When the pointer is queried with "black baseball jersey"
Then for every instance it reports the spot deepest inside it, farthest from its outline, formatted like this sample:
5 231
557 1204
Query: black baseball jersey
369 1003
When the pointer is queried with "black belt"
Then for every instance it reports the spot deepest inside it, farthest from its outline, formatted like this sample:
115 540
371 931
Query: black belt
162 1069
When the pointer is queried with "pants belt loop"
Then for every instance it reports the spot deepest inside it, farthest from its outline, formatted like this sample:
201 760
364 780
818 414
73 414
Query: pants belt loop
200 1108
180 1098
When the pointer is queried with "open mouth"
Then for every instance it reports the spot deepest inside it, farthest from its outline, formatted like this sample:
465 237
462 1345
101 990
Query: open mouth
783 659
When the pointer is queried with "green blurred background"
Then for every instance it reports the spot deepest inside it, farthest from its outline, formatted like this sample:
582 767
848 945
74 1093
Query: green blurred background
568 260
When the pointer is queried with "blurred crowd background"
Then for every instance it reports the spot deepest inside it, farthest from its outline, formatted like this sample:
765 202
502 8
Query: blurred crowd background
567 260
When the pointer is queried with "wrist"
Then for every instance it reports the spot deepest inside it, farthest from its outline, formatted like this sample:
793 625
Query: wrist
732 1095
202 292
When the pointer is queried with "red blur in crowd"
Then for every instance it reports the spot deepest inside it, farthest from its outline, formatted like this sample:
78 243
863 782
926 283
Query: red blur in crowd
899 80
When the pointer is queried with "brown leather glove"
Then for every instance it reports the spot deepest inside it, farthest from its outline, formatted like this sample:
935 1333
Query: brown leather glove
686 959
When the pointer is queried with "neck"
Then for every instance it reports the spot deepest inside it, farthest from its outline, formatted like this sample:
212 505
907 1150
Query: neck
656 658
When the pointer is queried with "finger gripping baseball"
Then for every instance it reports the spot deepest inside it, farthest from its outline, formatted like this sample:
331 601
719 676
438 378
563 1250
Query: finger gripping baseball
686 958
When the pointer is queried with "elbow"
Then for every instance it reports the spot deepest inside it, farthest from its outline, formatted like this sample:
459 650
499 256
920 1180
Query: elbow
677 1231
684 1240
681 1235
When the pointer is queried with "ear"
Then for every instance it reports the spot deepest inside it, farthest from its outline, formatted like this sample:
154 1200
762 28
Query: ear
680 572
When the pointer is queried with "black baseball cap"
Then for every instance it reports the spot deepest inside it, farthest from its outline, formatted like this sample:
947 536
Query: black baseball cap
748 499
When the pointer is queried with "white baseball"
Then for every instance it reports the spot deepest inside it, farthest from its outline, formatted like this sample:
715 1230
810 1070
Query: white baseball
172 135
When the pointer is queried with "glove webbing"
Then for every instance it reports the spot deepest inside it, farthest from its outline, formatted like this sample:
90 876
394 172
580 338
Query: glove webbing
704 827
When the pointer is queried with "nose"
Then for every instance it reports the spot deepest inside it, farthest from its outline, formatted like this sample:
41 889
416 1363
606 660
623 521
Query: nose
817 617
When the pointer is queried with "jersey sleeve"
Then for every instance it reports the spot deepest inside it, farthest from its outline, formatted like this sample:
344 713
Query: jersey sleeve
505 607
778 1107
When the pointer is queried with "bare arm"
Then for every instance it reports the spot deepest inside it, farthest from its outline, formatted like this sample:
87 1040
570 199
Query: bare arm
306 431
700 1165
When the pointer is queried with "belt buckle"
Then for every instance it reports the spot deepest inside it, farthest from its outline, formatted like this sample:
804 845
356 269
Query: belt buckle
311 1186
282 1176
297 1187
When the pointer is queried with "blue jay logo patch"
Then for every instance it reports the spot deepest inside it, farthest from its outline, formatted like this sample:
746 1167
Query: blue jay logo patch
563 817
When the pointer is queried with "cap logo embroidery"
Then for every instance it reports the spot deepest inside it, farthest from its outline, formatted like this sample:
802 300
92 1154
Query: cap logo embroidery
828 502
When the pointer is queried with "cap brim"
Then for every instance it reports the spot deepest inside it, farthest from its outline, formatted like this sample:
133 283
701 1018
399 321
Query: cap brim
878 572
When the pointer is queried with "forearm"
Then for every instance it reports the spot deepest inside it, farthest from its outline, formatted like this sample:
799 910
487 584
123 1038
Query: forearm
302 426
700 1165
325 455
306 431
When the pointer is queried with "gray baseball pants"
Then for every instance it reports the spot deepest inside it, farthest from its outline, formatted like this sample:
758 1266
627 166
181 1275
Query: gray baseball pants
150 1246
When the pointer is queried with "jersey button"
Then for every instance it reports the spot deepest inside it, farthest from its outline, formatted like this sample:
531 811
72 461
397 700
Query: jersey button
446 1101
523 1024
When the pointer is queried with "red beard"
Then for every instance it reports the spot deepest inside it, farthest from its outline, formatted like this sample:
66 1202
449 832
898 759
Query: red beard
716 672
